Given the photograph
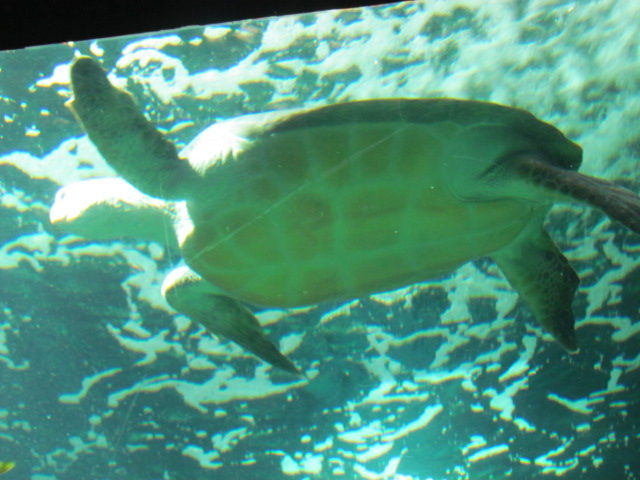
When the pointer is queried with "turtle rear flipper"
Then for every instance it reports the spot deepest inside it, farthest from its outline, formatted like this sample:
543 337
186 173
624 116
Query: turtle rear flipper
544 279
125 138
615 201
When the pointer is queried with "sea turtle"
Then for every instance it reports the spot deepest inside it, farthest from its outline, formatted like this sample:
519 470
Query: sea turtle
301 206
110 208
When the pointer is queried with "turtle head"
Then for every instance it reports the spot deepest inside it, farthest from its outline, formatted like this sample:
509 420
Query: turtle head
110 208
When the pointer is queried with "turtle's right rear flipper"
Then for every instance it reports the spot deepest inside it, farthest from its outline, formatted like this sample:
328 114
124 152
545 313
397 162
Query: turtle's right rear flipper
544 279
615 201
129 142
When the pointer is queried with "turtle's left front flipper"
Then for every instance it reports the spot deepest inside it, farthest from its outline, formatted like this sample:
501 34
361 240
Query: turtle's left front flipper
543 278
189 294
129 142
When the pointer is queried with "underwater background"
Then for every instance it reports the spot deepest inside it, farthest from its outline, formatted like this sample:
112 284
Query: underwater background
448 379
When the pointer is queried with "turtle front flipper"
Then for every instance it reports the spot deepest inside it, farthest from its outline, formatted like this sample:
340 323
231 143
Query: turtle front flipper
189 294
544 279
616 202
125 138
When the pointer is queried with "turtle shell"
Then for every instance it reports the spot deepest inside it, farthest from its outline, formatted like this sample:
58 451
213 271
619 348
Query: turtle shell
302 206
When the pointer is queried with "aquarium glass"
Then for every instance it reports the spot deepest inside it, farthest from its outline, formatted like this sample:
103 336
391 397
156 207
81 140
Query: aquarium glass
449 379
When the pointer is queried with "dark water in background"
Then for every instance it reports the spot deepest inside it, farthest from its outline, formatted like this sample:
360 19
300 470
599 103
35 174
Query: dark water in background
101 381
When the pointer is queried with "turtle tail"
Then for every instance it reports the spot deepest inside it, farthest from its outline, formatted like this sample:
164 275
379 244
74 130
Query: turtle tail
125 138
616 202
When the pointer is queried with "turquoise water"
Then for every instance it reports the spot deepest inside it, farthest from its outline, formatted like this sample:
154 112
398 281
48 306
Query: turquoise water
449 379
